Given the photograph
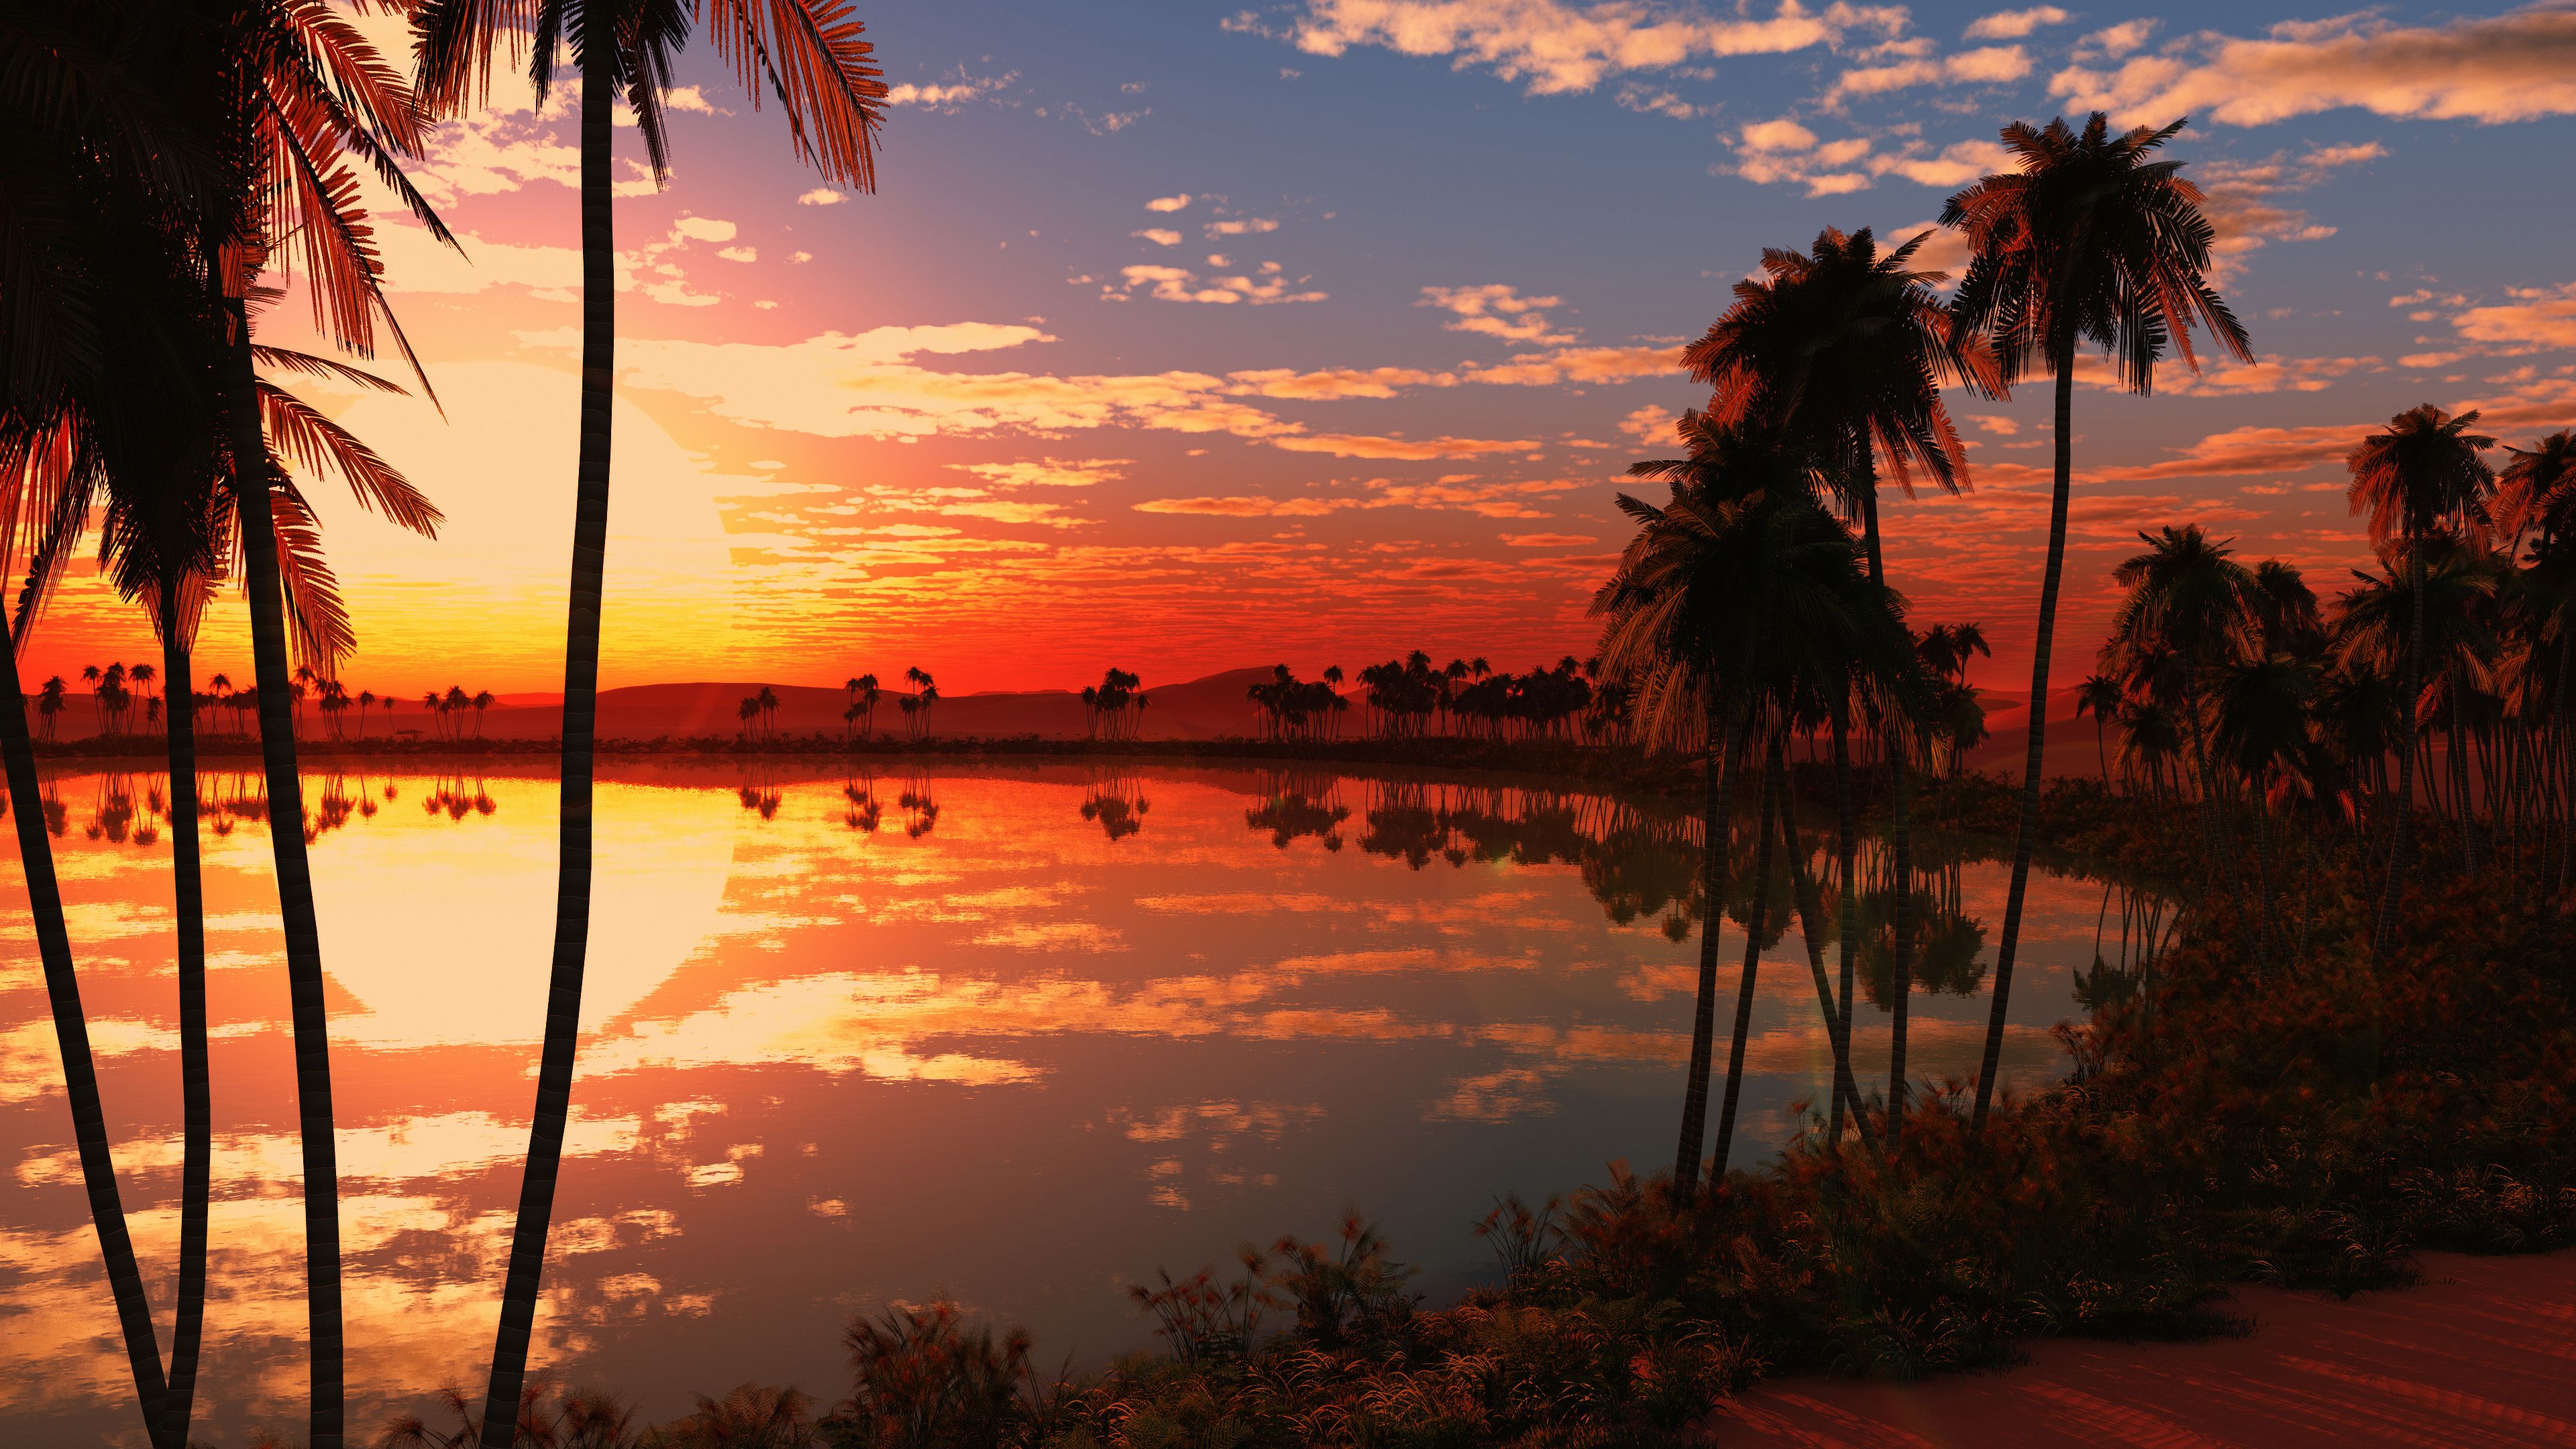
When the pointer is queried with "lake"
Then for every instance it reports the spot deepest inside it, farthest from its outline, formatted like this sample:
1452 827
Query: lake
1018 1034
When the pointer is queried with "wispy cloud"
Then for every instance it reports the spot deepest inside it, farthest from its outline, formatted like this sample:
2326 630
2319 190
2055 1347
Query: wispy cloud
2494 69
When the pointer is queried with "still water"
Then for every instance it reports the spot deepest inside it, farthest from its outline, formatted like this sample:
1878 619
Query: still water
1021 1035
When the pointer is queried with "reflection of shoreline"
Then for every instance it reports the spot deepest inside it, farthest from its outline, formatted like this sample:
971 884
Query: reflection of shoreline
1223 1026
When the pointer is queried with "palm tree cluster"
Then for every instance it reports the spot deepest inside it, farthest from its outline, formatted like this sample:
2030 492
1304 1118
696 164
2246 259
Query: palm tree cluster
170 162
860 718
2283 721
1300 709
921 695
1114 708
1753 604
757 712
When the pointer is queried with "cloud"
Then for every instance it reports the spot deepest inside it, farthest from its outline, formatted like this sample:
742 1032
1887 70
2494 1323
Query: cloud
821 196
1555 47
1651 426
1241 226
1656 101
2245 450
1580 365
2493 69
2241 204
1497 310
1780 135
1239 506
2014 24
1547 540
1161 236
947 96
1169 203
704 228
1991 65
1784 151
2117 40
2544 316
1361 445
1051 473
1334 383
1180 284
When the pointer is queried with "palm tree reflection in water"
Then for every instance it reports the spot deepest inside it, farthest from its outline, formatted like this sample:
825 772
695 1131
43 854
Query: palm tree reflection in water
1116 799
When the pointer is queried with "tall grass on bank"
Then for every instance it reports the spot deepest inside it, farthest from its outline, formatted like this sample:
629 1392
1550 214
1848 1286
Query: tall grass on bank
2312 1127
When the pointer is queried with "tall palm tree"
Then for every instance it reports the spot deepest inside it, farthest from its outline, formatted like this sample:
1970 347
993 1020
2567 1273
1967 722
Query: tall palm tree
1844 350
2418 477
810 55
2092 241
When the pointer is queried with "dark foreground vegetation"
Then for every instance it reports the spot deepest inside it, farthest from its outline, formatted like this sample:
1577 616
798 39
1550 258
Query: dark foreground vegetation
2310 1125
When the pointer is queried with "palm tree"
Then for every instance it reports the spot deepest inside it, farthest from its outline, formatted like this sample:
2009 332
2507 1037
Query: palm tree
2101 698
2419 477
482 701
2090 241
810 55
864 696
1726 600
1844 352
2191 607
768 701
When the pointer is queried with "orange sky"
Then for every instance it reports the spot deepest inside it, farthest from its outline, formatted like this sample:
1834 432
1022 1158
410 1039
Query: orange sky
1324 331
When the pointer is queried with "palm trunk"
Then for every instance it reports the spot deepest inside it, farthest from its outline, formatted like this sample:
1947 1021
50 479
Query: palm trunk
71 1034
580 723
2027 834
1753 927
187 1333
251 483
1811 908
1713 830
1849 849
2399 831
1901 969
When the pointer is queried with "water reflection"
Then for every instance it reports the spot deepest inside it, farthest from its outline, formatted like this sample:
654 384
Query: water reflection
1064 1025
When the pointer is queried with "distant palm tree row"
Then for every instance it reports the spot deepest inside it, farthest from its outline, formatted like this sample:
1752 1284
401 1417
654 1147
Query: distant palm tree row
116 689
170 162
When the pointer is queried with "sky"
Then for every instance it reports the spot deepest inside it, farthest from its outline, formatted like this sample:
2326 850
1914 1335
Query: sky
1184 338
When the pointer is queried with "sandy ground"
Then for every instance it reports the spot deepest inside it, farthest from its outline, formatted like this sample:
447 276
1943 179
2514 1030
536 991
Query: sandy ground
2481 1356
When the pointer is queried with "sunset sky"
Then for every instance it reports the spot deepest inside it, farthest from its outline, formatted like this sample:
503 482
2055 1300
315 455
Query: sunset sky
1184 338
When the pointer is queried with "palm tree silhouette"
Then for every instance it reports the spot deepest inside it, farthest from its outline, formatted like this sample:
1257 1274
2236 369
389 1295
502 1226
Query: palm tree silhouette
864 694
2191 603
1730 601
810 55
2089 241
2101 698
2416 479
767 699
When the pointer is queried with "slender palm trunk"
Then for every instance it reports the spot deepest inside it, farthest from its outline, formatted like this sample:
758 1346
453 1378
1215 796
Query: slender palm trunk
1754 926
1811 910
1713 830
2026 835
1847 840
580 724
196 1171
2102 754
2405 812
1901 969
71 1035
252 480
